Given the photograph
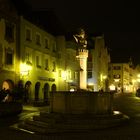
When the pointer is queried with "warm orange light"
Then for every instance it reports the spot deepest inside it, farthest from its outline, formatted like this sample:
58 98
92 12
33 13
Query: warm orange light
64 75
112 87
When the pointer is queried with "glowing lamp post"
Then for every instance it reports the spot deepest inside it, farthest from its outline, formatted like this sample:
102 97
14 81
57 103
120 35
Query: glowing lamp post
25 69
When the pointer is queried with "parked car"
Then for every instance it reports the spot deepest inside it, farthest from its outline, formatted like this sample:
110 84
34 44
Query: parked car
138 92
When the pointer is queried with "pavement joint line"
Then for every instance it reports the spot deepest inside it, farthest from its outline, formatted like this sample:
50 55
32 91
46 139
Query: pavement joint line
31 132
15 126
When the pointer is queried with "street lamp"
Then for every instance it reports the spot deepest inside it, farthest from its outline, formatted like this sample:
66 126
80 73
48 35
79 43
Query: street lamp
25 69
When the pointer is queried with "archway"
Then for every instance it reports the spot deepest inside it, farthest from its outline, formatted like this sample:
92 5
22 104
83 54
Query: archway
46 92
19 90
27 91
53 87
37 87
8 84
7 91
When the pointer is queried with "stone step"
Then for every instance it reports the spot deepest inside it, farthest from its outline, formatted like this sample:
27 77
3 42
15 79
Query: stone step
44 119
42 124
57 117
37 123
34 128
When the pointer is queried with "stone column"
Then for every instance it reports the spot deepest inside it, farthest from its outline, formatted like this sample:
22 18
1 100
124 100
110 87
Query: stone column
82 56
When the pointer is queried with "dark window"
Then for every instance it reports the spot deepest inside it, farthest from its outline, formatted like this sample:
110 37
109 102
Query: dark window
125 69
54 47
38 62
89 74
38 40
89 65
90 58
46 64
9 58
28 35
9 32
54 67
46 44
116 67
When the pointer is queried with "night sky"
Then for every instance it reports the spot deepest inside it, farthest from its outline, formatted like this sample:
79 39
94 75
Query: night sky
117 20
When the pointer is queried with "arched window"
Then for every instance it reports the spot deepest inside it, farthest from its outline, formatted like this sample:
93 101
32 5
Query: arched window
53 87
37 87
46 91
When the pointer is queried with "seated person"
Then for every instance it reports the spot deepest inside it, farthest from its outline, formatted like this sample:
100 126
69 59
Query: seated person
6 96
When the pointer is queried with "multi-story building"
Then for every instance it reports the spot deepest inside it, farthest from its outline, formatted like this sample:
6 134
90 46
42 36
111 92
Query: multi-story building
72 66
9 47
43 62
121 77
67 64
38 65
98 62
136 78
38 60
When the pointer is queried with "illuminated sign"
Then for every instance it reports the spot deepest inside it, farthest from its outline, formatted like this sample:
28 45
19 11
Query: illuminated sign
46 79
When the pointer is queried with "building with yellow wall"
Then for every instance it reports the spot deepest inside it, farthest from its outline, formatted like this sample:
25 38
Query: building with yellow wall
121 77
38 65
47 62
9 47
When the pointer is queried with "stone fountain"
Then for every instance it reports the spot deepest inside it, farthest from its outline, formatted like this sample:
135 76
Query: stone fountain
79 110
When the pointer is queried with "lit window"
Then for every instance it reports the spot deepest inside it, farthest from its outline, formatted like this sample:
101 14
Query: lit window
76 75
59 73
117 76
69 74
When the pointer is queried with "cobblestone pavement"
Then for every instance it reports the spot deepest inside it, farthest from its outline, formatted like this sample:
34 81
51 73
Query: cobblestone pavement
126 103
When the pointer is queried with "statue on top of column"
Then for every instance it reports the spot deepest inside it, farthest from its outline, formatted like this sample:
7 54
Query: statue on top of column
80 38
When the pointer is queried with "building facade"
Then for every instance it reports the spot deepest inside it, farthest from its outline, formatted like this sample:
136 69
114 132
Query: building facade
9 47
43 62
98 62
38 65
121 77
72 66
68 65
47 62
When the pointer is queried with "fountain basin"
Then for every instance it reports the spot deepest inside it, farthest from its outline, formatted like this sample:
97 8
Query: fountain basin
83 102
